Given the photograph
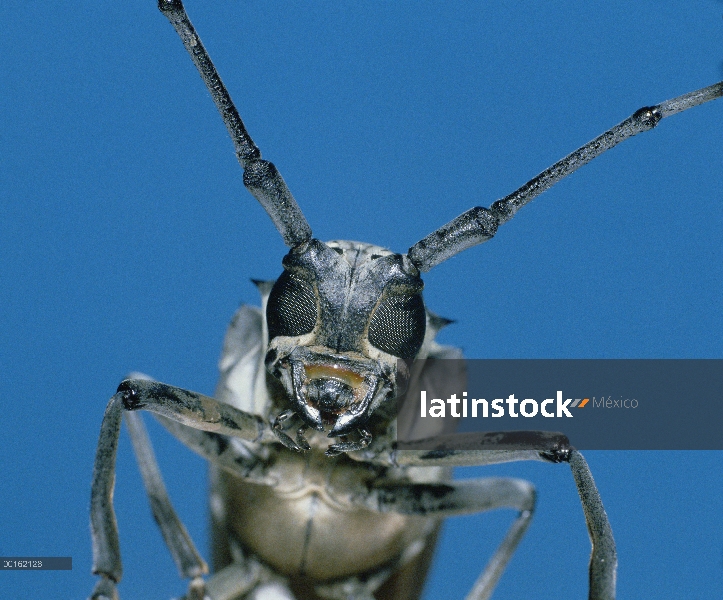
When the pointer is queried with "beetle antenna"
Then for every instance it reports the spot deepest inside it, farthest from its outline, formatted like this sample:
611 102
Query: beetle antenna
260 177
479 224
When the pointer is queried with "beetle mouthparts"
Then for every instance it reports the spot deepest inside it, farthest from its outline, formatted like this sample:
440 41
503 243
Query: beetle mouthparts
356 415
331 392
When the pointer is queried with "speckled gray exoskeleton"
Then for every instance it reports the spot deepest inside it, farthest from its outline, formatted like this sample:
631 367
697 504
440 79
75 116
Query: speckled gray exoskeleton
310 496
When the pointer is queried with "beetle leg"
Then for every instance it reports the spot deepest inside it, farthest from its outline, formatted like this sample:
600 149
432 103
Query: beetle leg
233 581
492 448
105 589
191 409
353 588
463 497
235 457
364 438
196 589
183 408
188 561
285 420
104 530
300 439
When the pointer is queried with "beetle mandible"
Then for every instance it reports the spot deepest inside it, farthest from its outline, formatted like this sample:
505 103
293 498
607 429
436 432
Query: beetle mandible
354 380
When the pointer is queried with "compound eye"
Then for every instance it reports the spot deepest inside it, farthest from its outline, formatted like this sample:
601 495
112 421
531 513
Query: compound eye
397 325
291 309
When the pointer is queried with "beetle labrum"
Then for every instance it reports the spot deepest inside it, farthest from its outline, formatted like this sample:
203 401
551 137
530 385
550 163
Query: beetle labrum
322 359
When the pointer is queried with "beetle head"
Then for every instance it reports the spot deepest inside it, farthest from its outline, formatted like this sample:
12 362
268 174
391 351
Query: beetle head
339 317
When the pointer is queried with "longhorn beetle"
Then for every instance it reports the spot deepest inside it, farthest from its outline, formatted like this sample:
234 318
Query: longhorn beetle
346 386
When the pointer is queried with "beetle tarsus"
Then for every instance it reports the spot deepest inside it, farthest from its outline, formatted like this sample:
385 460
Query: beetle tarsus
105 589
300 439
365 439
285 420
197 590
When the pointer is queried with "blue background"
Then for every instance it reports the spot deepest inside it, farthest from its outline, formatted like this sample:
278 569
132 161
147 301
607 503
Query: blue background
127 241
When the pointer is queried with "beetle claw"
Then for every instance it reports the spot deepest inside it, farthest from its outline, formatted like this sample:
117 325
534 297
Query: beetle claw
277 426
364 439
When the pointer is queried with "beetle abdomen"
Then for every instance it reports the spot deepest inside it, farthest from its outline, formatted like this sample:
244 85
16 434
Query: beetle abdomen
301 531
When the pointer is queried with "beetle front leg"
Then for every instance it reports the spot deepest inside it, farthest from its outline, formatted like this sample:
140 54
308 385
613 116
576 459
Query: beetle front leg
603 558
472 449
191 409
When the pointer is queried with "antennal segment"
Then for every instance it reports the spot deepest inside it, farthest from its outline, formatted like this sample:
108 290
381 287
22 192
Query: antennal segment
260 177
479 224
